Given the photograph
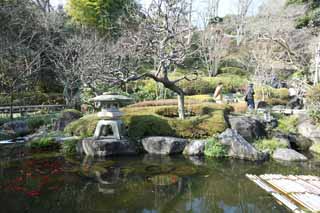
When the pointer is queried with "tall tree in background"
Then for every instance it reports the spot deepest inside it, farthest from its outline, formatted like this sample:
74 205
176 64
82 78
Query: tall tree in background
19 59
104 15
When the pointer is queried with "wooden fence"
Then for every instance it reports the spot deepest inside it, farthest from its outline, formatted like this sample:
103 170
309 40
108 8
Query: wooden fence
33 108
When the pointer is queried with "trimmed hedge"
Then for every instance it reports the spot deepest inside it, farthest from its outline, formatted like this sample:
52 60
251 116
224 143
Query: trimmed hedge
207 85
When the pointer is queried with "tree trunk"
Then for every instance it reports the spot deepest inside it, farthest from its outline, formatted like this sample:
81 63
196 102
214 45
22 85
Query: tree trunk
181 109
11 105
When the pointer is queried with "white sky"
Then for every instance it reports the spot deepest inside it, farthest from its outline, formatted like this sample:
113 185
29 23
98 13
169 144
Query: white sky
226 6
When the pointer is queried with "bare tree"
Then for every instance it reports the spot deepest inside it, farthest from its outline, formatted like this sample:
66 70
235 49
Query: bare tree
213 42
19 60
163 38
243 7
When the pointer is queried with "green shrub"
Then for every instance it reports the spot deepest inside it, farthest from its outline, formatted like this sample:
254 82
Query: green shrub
269 145
69 147
233 70
231 62
215 149
288 124
46 143
272 93
148 125
207 85
83 127
64 112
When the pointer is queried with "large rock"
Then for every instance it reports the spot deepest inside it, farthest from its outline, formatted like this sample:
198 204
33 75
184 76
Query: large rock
299 142
309 130
288 155
65 118
164 145
247 127
282 138
195 147
239 148
107 147
17 128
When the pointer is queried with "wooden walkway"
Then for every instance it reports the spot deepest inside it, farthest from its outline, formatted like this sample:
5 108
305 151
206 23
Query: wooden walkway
33 108
299 193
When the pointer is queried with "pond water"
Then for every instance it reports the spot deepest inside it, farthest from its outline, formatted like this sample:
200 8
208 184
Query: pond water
147 184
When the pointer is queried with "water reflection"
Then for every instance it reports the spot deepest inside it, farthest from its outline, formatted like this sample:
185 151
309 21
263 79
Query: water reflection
140 184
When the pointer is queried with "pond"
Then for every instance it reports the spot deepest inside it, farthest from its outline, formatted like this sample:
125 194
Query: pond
148 184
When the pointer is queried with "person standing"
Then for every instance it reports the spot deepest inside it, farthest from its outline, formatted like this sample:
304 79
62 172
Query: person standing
249 98
218 93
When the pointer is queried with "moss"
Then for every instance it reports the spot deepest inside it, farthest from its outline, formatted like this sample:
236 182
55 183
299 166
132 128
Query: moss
201 98
269 145
215 149
148 125
208 120
83 127
288 124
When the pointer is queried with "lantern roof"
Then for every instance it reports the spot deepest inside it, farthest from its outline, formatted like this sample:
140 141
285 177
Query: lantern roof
112 97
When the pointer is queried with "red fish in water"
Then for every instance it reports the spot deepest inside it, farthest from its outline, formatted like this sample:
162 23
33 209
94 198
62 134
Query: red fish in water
33 193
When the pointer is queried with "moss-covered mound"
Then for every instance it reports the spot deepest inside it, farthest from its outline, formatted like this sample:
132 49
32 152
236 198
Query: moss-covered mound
206 120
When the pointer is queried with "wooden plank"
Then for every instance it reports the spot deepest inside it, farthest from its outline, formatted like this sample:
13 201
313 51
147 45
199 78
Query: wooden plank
281 198
310 201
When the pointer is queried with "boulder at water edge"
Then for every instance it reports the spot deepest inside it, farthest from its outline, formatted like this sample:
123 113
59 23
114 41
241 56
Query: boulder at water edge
107 147
16 128
299 142
239 148
195 147
249 128
288 155
164 145
309 130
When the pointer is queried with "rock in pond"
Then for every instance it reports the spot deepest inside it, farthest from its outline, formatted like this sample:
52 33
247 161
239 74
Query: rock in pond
195 147
288 155
164 145
239 148
17 128
249 128
65 118
299 142
107 147
309 130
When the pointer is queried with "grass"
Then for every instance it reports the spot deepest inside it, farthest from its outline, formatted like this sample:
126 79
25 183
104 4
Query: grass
215 149
269 145
45 143
69 147
208 119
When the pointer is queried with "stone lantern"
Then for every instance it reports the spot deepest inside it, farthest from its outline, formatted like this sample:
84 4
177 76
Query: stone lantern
109 137
110 125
